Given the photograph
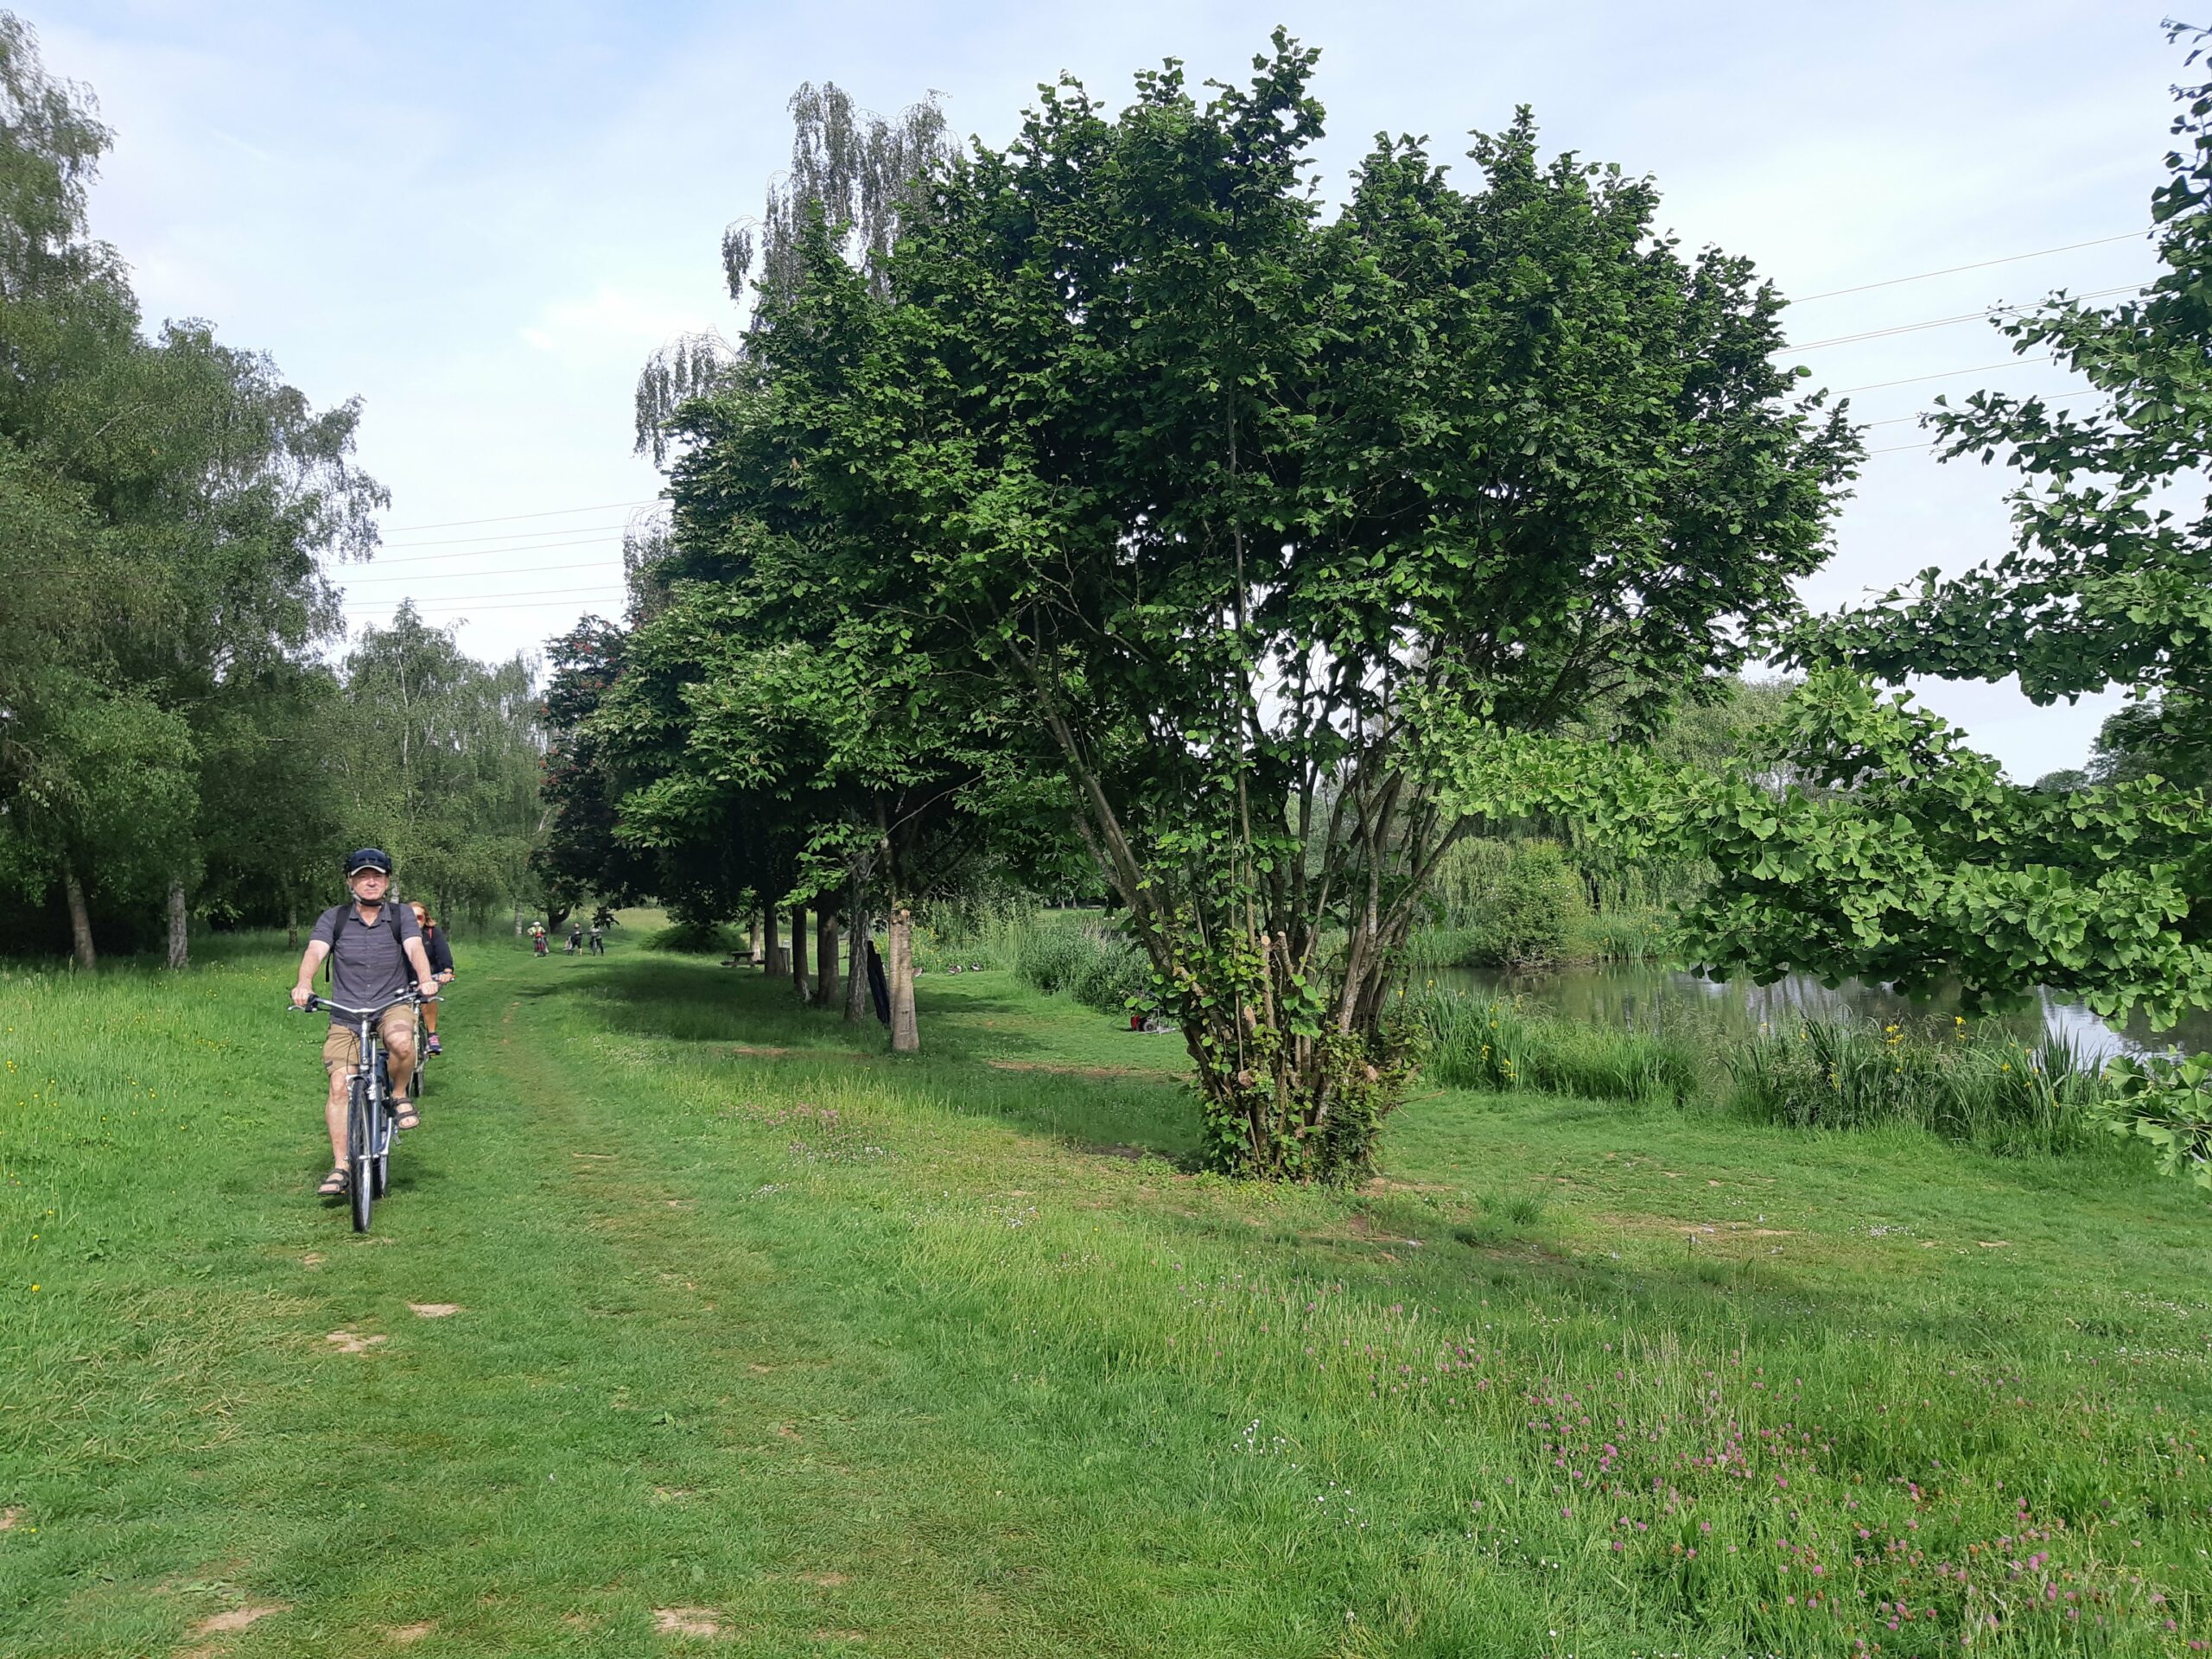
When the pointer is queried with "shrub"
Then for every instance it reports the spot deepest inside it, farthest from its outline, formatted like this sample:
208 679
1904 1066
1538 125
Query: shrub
1502 904
1981 1086
696 939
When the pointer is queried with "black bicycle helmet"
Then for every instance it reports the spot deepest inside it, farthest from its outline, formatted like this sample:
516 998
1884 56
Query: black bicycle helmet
368 858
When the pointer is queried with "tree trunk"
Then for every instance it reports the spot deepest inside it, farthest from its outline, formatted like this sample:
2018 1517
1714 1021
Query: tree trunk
798 950
554 918
778 964
905 1032
518 918
825 957
753 951
856 997
179 933
292 924
80 924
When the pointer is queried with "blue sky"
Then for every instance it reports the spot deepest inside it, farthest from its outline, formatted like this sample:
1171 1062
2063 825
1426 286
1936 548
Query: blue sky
479 218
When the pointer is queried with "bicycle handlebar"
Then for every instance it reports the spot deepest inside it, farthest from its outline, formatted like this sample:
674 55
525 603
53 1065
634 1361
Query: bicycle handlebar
323 1004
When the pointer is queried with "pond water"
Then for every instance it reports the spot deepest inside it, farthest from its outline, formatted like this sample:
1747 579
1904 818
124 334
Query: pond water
1642 994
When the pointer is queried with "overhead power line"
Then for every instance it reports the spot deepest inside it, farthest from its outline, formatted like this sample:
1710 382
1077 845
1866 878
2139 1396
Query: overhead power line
510 518
1946 374
1978 264
513 535
463 599
479 575
511 605
1946 322
1807 299
487 552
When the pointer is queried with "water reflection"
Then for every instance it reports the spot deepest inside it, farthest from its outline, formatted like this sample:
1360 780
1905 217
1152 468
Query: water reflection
1642 995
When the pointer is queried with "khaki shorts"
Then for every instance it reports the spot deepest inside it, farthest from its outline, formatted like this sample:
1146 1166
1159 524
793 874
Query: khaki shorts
342 1050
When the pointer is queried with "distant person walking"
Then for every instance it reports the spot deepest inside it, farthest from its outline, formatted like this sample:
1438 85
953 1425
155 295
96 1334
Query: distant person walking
575 937
538 939
598 940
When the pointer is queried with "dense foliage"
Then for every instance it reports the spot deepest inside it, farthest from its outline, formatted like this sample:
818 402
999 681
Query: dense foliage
1205 497
165 503
1922 859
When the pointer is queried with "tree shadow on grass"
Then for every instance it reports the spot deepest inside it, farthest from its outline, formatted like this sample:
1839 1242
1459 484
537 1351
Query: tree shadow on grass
984 1054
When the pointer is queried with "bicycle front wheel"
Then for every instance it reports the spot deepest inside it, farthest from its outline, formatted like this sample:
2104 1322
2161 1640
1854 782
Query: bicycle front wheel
360 1153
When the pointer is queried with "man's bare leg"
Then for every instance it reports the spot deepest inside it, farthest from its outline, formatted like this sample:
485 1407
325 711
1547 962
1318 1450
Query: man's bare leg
333 1112
399 1057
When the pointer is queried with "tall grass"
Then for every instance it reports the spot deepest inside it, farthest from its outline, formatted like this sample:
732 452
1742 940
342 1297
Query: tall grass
1488 1043
979 933
1095 964
1981 1086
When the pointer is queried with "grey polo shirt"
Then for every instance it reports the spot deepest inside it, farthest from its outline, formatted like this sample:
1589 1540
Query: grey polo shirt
368 963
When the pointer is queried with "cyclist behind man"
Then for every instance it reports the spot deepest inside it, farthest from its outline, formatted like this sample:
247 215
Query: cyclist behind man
441 955
371 944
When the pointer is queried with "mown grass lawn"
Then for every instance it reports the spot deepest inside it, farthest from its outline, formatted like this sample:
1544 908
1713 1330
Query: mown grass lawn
761 1343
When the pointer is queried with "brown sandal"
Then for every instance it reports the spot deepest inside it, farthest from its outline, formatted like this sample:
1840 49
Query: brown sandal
409 1118
334 1185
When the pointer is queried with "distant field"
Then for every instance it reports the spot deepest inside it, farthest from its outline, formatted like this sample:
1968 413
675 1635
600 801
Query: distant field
696 1324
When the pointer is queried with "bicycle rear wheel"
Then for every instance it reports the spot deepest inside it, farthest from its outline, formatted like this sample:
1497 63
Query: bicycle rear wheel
360 1154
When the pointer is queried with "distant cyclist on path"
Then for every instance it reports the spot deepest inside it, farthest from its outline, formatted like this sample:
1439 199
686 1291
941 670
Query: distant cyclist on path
441 955
371 946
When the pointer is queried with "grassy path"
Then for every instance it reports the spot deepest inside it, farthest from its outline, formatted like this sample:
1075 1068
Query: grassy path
696 1324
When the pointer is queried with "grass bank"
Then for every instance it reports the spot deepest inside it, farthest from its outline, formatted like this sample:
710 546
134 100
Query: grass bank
697 1324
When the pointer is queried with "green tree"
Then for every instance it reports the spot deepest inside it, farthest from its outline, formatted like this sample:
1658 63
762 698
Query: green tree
1922 860
2108 580
439 762
757 712
169 502
1227 500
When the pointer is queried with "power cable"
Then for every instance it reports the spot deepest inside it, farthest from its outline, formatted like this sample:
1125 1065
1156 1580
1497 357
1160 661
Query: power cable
1978 264
513 535
1946 374
515 605
1807 299
1946 322
473 576
510 518
488 552
462 599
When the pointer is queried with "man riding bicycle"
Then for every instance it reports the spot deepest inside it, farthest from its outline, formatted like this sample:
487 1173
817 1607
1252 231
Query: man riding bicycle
372 945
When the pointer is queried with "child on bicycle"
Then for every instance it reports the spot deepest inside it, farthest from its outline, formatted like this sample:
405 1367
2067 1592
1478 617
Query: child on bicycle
371 946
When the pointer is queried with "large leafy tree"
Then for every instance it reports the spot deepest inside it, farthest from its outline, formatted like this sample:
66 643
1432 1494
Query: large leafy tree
2108 580
169 502
1230 501
1921 861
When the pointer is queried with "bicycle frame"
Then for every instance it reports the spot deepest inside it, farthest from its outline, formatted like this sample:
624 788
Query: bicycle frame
367 1161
